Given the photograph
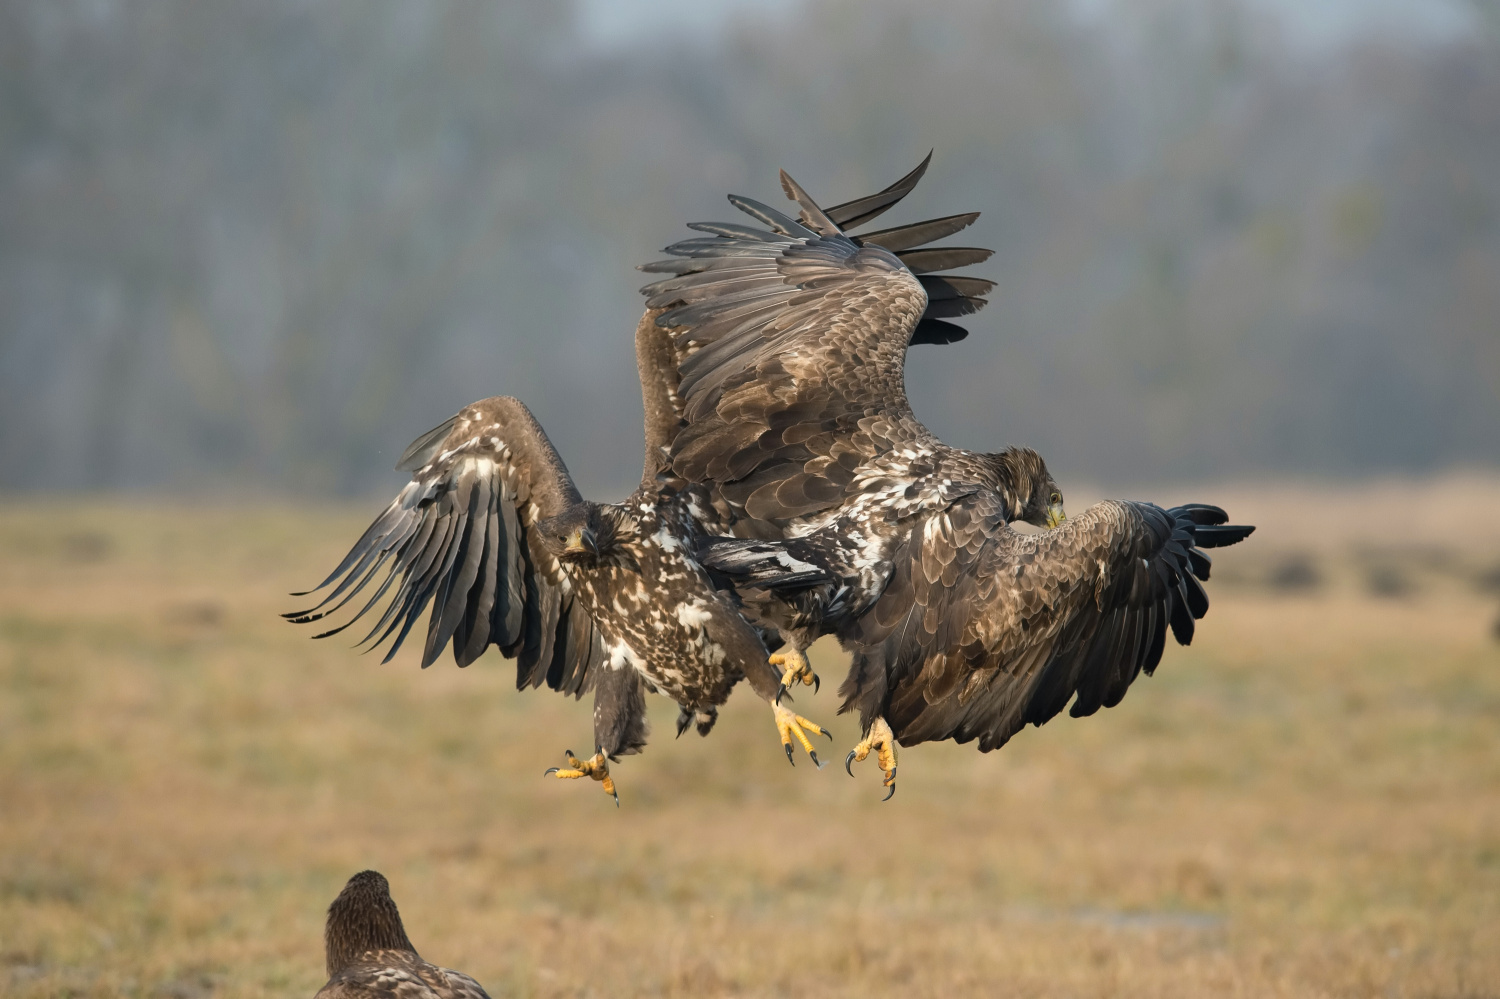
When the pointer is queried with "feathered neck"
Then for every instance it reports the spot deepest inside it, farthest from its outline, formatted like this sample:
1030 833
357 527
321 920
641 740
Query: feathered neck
362 918
1017 471
616 529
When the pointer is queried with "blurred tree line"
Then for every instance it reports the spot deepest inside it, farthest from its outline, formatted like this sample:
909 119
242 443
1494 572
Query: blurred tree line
262 246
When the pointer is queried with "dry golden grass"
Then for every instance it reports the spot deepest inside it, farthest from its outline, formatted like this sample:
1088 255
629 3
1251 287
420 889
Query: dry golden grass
1305 803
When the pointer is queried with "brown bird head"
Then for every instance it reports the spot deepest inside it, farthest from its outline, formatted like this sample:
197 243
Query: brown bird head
1030 491
362 918
573 535
587 534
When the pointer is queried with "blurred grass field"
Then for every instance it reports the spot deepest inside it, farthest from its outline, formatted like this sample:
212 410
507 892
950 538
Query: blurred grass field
1305 803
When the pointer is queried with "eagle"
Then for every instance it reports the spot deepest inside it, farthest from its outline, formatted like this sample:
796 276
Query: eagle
608 597
849 517
369 955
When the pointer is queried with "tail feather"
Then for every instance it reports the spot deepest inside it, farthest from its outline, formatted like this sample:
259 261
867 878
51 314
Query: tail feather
774 565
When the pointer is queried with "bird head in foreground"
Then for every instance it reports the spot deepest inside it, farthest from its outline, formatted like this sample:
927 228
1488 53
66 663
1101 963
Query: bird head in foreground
589 534
363 918
1032 493
573 536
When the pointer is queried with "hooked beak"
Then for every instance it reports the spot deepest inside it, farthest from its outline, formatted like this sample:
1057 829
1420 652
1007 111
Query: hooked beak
1055 515
582 542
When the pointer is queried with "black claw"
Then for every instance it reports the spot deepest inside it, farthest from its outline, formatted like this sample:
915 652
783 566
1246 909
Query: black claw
849 762
568 753
816 683
816 762
683 721
617 798
829 734
789 758
889 793
780 689
551 771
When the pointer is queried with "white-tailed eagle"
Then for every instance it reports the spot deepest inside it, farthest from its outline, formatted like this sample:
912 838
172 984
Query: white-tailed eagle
791 337
370 957
608 597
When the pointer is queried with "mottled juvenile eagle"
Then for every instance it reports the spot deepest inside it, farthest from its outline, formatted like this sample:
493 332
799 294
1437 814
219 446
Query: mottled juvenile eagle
791 338
605 596
370 957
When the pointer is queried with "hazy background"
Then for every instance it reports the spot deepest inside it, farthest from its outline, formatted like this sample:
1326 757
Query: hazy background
249 250
259 247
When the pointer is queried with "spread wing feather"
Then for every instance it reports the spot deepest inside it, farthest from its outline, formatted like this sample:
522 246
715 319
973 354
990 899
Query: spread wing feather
1002 628
461 537
791 341
853 214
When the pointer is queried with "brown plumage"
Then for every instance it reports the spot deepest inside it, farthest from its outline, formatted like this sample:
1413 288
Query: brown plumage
369 955
791 343
493 534
604 597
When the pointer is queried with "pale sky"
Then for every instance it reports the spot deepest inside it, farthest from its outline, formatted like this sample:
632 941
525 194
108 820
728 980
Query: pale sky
1316 23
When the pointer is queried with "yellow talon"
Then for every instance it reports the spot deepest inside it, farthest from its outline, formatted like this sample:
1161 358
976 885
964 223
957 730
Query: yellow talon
596 766
789 725
796 668
881 739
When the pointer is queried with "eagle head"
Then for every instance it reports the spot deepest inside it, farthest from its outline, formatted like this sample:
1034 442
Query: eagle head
588 534
1030 491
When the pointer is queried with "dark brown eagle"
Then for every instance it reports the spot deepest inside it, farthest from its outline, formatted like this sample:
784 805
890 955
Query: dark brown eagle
370 957
605 596
791 339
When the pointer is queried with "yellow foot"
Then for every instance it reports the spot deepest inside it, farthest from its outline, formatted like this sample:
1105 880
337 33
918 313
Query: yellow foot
794 725
881 739
795 667
595 766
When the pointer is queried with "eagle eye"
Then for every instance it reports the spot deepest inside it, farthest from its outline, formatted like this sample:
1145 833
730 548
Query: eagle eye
1055 498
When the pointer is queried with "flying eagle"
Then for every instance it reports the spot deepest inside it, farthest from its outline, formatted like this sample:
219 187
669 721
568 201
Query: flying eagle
492 532
369 955
857 521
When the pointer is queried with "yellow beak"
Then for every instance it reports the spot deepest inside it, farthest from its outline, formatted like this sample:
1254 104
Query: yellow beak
1055 515
582 542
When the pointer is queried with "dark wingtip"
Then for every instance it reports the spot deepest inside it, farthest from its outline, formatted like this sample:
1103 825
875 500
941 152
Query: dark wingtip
852 214
811 216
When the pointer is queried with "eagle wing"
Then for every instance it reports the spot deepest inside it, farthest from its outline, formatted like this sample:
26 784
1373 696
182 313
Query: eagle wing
984 629
792 341
462 536
392 975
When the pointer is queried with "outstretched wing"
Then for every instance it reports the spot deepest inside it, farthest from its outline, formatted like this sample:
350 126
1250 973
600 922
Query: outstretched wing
984 629
792 337
462 537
